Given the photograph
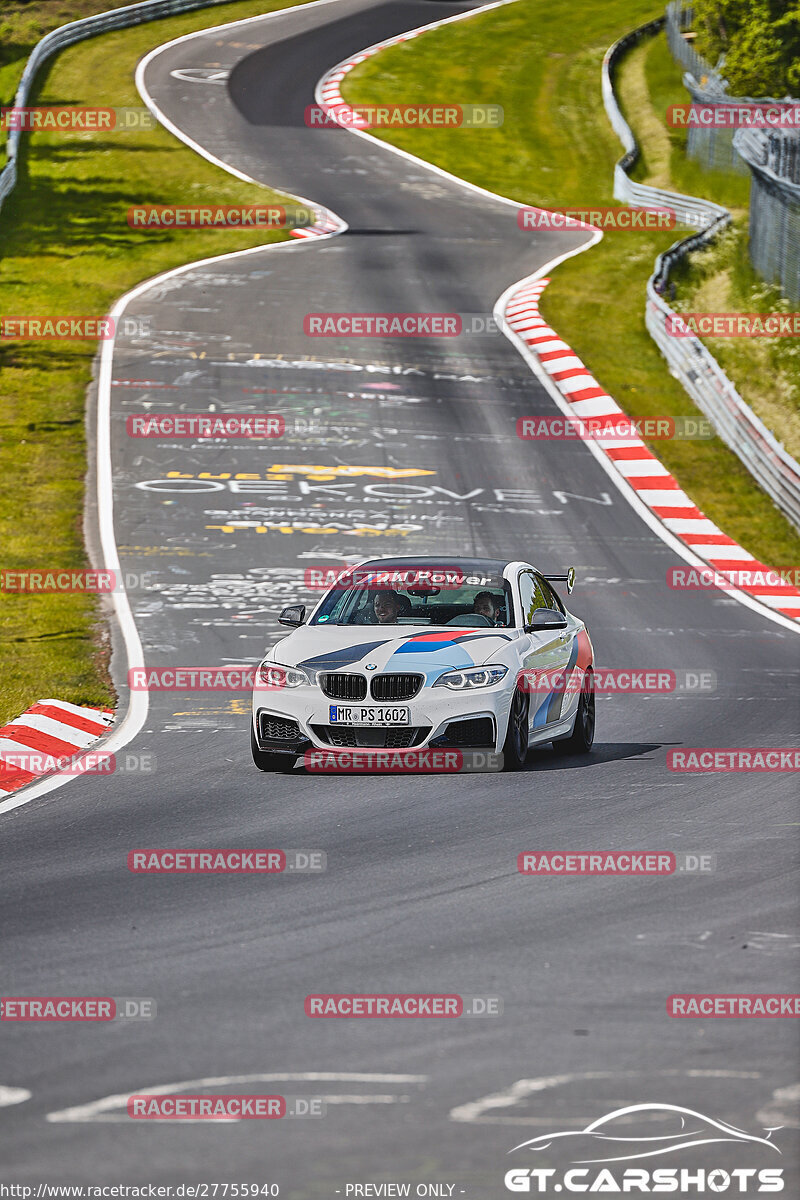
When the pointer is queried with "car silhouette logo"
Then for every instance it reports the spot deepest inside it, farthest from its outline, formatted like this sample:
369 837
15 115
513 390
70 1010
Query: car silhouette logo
613 1140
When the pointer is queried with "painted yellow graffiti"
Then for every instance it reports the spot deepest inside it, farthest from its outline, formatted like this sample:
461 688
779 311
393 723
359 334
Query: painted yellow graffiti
317 530
287 471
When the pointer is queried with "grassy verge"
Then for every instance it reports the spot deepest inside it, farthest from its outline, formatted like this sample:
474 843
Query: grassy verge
649 81
557 148
66 248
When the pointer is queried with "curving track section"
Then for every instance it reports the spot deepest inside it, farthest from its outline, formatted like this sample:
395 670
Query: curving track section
396 445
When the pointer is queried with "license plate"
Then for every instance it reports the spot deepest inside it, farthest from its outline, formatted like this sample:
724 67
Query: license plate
353 714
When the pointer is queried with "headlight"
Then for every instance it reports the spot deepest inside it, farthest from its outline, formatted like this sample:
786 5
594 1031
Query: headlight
273 675
475 677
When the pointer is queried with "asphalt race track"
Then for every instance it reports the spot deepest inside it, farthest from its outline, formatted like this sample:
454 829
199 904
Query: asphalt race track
422 891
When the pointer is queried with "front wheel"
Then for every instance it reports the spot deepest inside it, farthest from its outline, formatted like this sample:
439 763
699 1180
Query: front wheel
515 747
269 762
582 736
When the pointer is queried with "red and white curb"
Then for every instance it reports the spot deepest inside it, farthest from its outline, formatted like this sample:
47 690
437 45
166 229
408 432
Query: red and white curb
329 91
325 224
48 730
640 469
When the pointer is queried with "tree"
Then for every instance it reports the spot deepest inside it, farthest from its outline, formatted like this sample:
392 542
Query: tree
758 41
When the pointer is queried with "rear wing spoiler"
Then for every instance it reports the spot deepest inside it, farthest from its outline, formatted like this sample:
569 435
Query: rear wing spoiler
569 579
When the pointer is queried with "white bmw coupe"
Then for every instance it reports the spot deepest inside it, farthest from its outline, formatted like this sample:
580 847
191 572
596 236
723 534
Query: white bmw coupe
428 653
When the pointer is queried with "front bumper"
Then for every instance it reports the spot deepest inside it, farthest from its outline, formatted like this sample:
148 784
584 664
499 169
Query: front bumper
301 718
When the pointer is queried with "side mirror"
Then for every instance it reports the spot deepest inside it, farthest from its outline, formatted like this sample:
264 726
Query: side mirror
546 618
570 580
293 616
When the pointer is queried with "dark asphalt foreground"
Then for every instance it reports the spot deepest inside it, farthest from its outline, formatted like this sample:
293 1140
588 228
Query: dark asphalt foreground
421 892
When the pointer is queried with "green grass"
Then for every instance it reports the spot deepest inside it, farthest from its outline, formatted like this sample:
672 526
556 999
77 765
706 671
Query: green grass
557 148
66 248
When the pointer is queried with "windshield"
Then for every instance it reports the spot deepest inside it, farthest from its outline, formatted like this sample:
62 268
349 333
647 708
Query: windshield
474 605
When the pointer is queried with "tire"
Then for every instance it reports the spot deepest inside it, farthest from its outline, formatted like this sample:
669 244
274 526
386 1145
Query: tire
582 736
265 761
515 747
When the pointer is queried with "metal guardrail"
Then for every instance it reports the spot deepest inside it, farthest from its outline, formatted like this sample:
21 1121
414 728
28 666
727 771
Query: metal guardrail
712 145
771 156
776 153
689 209
689 360
774 162
77 31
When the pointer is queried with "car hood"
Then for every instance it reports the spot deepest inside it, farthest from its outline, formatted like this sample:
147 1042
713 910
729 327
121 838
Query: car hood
420 648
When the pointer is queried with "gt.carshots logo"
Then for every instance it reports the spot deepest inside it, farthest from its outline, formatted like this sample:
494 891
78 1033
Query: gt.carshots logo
626 1135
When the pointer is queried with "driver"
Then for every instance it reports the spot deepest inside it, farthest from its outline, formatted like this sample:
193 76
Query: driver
386 605
485 605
